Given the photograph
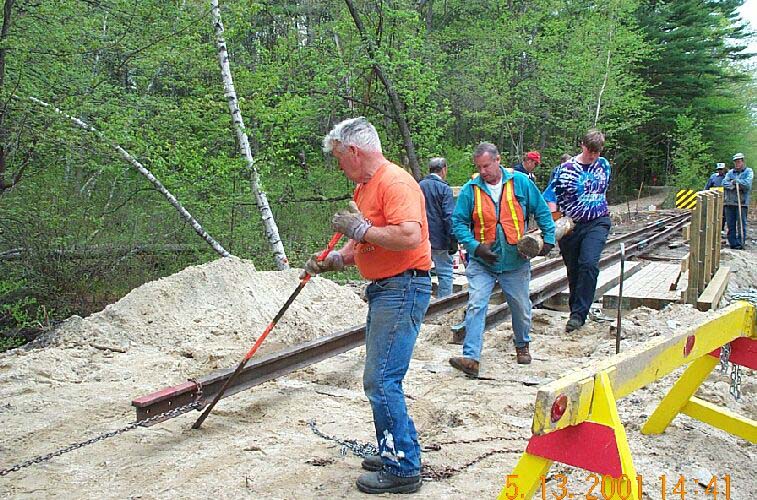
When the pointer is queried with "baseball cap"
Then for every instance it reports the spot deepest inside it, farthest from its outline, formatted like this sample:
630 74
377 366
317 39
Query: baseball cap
534 155
738 156
720 166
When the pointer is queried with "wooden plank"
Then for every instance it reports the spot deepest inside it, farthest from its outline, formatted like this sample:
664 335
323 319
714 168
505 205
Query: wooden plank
607 279
686 232
718 226
711 296
722 418
708 199
641 365
649 287
692 291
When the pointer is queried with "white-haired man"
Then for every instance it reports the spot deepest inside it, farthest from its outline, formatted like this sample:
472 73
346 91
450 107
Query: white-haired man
389 244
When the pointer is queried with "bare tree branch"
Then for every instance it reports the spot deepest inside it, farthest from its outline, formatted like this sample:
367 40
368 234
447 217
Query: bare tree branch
147 174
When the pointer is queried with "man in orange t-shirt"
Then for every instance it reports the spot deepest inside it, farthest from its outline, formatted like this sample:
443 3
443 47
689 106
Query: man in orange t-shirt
389 244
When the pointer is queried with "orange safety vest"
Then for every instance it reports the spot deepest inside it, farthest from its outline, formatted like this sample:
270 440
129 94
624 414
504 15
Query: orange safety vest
485 219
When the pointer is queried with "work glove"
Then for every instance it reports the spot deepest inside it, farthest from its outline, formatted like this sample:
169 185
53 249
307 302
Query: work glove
484 252
351 223
452 249
546 248
332 262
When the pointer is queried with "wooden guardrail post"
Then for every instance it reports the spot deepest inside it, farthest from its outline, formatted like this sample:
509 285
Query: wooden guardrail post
695 262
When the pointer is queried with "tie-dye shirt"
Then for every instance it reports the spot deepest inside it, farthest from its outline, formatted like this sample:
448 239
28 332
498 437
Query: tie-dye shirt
579 189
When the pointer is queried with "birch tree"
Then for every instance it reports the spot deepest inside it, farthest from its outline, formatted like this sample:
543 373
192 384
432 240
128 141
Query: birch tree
183 212
261 200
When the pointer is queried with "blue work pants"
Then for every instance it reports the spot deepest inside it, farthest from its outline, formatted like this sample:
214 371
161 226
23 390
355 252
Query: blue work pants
396 307
481 282
581 250
443 266
736 231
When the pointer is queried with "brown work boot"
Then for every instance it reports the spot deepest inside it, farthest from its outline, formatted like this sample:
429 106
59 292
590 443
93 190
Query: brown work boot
465 365
524 357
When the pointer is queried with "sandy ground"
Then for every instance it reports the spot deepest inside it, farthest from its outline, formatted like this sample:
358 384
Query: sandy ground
79 382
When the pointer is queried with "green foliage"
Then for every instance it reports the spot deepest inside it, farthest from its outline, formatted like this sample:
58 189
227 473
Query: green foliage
691 160
522 74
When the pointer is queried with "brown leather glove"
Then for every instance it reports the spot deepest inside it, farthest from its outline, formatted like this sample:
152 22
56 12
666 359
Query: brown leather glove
332 262
351 223
484 252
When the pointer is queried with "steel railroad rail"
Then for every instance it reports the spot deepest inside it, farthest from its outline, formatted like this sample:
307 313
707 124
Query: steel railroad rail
292 358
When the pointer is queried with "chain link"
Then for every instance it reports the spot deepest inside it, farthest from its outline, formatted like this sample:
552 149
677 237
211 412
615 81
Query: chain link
725 355
141 423
364 450
749 295
735 388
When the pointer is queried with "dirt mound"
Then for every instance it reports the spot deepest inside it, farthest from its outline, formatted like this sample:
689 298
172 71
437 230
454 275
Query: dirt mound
211 304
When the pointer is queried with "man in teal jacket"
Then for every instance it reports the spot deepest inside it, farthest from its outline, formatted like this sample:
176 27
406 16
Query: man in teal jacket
489 219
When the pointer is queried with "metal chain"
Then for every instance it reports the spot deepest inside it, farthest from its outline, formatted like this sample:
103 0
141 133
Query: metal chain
749 295
141 423
735 388
364 450
725 355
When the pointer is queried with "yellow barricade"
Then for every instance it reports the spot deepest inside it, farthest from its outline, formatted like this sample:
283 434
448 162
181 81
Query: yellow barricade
576 418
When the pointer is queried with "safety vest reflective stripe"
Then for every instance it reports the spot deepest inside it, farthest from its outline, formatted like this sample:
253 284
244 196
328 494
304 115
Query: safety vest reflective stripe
485 218
514 215
478 207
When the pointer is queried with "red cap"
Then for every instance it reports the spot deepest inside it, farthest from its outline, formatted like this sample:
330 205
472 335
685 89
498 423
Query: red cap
534 155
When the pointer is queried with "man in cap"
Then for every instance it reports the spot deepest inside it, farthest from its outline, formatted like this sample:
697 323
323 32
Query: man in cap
530 161
737 186
716 179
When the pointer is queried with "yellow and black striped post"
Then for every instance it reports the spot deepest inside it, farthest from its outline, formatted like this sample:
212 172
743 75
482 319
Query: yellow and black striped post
686 198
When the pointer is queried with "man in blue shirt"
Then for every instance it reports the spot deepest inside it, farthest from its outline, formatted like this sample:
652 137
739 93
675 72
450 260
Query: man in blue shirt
439 205
489 220
737 186
716 179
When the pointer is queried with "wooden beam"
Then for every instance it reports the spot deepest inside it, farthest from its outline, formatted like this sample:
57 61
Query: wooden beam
692 291
715 290
722 418
708 209
641 365
718 226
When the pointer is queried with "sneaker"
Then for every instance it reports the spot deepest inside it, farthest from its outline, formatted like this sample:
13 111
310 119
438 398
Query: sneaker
573 324
372 463
523 356
385 482
465 365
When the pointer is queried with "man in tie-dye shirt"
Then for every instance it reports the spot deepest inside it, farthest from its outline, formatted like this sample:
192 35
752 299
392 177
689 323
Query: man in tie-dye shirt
578 189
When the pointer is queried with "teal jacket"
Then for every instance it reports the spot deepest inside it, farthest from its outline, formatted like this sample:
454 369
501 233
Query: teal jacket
532 203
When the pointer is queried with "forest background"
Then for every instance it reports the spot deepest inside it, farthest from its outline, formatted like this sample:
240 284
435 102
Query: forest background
669 82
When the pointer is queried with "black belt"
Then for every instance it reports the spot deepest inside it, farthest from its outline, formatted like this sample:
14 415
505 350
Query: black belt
412 273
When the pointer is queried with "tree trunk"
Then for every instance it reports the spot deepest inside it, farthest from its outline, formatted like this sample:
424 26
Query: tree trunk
604 82
261 200
146 173
7 8
393 97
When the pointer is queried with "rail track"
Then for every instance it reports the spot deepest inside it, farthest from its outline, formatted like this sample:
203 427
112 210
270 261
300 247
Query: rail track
292 358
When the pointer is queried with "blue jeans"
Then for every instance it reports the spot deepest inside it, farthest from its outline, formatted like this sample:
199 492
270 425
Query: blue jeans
481 282
581 250
396 307
443 265
736 231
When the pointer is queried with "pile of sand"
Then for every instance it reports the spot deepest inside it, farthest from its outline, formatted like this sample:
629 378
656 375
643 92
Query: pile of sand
222 304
